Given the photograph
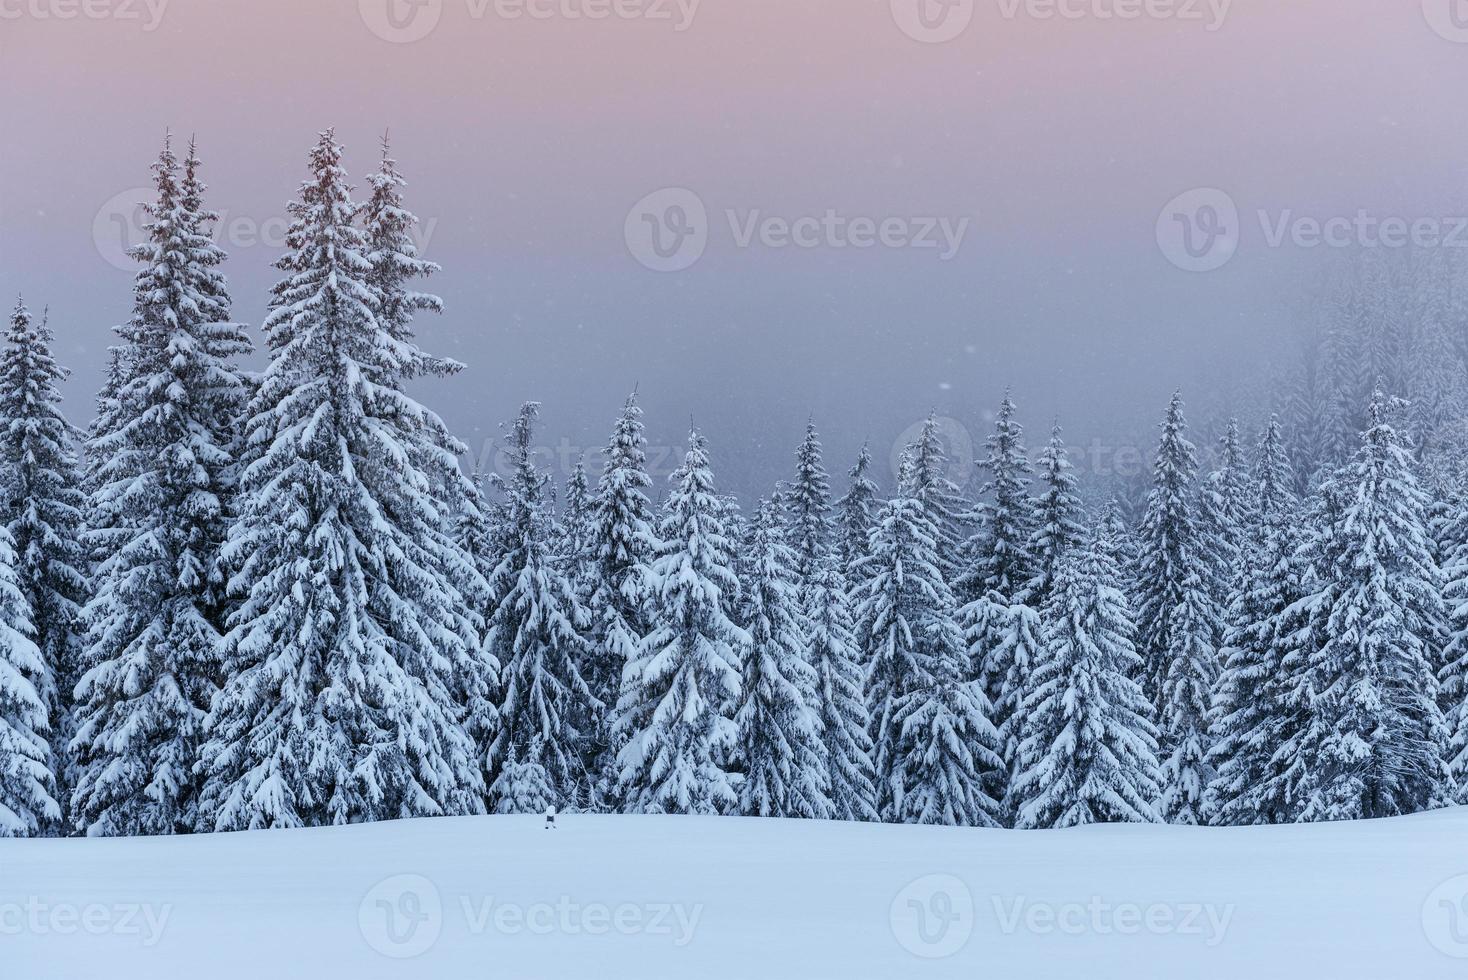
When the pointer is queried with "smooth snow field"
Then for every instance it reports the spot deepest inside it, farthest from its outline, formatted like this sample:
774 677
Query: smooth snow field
708 898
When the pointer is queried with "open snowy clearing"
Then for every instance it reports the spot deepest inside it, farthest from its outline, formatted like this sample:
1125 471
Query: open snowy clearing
617 896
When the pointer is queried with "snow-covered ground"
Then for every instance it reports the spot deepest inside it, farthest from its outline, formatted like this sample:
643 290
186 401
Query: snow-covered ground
650 897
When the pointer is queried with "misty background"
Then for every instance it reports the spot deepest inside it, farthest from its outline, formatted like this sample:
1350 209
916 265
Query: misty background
526 142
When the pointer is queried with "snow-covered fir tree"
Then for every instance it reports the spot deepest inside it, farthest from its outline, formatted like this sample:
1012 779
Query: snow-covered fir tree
808 509
1252 714
1057 511
781 756
1180 621
1274 497
1002 630
536 633
524 786
1225 517
395 267
840 702
1170 556
925 477
395 263
1122 539
43 504
575 532
27 766
480 533
1374 740
1192 669
160 507
1453 674
1013 636
674 720
1001 555
935 748
836 696
338 707
1089 750
624 544
856 512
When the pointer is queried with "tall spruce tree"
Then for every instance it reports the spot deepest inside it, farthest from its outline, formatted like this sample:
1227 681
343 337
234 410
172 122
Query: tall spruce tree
1001 566
925 477
338 707
43 504
856 512
1001 552
1170 550
536 632
1089 749
161 506
839 699
780 753
1227 507
1453 674
836 695
1181 621
624 545
27 766
1058 511
1186 696
674 719
1374 738
808 509
1250 715
935 748
395 263
395 266
1013 636
575 536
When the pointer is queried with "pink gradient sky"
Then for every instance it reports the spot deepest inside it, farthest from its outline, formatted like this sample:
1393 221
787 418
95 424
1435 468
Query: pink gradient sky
526 142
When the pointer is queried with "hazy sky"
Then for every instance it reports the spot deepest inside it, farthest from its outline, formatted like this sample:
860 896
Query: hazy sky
530 130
